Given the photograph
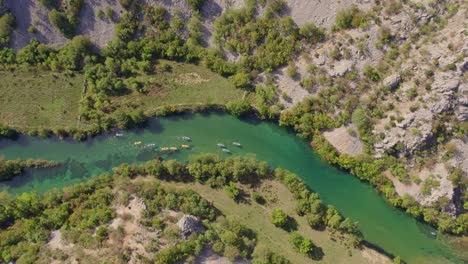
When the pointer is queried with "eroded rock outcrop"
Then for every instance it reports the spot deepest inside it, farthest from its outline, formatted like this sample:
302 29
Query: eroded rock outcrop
190 224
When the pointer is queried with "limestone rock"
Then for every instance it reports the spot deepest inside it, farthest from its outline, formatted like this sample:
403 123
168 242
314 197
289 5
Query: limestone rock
190 224
341 68
462 113
463 66
392 81
445 83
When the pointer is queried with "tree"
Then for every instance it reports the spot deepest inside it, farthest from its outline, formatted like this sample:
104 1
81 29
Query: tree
233 191
61 21
7 23
314 220
241 80
359 118
301 244
279 218
196 5
312 33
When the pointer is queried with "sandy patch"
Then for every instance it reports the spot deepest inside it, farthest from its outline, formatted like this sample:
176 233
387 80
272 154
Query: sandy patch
344 142
99 30
208 256
56 241
319 12
136 236
373 257
32 13
190 78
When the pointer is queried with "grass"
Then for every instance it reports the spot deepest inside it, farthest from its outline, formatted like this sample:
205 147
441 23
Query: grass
31 98
183 84
257 217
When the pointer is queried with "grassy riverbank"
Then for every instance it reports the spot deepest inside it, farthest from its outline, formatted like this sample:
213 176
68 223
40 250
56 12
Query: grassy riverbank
178 84
31 98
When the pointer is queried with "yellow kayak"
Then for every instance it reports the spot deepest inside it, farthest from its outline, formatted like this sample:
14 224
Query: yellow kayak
173 148
185 146
137 143
164 149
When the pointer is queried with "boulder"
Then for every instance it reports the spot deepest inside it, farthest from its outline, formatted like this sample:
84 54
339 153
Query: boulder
190 224
461 113
463 66
341 68
445 84
392 81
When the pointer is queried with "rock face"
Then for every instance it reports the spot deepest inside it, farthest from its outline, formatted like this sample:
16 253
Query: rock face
416 128
190 224
461 112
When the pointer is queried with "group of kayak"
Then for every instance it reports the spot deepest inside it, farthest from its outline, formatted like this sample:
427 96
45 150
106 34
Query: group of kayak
225 149
183 146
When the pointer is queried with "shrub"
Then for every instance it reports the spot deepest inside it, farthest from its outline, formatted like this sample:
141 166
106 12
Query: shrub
292 70
7 23
278 217
312 33
301 244
99 14
371 73
109 13
359 118
350 18
238 108
61 21
241 80
196 5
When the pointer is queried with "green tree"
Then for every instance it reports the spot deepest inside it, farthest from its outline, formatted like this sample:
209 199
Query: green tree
278 217
238 108
196 5
242 80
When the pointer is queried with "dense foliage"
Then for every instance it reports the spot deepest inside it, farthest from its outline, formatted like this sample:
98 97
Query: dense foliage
11 168
82 211
64 15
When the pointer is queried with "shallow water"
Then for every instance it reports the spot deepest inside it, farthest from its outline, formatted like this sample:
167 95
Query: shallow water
381 224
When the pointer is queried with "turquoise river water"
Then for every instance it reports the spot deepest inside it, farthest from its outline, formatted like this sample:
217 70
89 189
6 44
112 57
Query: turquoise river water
381 224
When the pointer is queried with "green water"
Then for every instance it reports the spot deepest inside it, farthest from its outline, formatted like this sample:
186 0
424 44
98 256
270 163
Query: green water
381 224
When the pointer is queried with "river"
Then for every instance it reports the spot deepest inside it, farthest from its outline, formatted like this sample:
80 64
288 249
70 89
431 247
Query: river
381 224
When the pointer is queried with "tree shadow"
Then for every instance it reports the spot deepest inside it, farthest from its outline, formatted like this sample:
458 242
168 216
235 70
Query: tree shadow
291 224
317 254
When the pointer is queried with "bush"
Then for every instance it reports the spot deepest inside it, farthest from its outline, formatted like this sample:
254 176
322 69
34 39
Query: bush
62 22
238 108
312 33
279 218
359 118
301 244
242 80
350 18
7 23
109 13
196 5
371 73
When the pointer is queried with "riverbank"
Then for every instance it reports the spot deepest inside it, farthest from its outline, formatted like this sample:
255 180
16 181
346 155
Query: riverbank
12 168
367 169
157 196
